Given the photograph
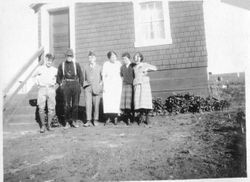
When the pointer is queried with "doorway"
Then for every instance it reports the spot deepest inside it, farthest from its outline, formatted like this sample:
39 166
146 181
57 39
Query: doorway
59 33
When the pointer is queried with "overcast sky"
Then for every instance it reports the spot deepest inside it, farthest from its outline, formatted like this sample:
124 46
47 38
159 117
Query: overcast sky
227 36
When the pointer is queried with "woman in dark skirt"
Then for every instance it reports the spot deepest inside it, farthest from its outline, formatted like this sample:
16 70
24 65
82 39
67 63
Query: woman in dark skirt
127 74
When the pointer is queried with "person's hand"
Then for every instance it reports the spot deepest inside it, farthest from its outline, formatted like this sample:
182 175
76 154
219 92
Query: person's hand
56 86
145 72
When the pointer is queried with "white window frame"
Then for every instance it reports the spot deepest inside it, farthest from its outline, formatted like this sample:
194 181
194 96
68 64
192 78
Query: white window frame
143 43
45 23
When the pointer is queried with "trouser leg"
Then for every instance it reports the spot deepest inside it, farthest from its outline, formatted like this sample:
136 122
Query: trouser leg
96 102
41 102
88 99
67 99
42 116
51 102
76 90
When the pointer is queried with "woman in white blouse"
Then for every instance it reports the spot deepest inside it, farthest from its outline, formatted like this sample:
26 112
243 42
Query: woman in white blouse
112 87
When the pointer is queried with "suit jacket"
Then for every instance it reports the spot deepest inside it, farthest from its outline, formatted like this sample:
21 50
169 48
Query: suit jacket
93 78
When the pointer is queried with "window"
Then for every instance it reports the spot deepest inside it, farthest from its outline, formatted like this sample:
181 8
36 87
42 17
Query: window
152 24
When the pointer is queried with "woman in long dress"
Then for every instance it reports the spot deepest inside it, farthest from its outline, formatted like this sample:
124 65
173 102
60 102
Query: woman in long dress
112 87
142 89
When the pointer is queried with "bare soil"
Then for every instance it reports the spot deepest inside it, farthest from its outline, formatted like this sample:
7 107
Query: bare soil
183 146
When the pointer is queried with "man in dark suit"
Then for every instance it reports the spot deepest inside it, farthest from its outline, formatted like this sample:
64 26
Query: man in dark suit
70 78
93 87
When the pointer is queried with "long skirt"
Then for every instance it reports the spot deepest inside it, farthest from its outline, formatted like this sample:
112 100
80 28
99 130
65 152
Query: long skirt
127 97
112 97
142 96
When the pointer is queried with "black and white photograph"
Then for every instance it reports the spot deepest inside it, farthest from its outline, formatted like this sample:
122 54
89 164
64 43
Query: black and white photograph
124 90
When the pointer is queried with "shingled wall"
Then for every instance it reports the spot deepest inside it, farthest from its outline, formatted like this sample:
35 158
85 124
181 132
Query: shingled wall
182 65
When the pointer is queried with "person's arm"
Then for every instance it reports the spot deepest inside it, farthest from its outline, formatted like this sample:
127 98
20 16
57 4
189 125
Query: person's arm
104 72
35 76
59 76
150 67
100 72
55 77
80 74
121 73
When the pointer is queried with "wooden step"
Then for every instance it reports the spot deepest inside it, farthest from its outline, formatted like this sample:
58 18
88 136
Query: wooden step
15 118
25 110
11 128
21 122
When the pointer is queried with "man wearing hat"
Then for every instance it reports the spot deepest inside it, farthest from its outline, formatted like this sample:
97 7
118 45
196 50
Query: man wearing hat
93 87
70 78
45 78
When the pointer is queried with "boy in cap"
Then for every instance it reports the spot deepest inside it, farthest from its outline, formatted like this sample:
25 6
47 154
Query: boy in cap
93 87
70 78
46 81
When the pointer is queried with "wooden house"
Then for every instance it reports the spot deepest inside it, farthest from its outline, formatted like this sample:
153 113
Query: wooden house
169 33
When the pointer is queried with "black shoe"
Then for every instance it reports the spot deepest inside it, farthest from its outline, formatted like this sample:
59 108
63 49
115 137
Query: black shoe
49 128
95 123
87 124
74 125
67 126
42 130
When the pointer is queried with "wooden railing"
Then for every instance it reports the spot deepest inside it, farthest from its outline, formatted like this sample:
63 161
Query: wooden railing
9 96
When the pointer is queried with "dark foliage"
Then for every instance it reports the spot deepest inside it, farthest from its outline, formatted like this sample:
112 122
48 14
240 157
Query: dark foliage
175 104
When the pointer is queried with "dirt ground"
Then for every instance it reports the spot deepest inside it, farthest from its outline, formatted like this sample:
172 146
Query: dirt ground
183 146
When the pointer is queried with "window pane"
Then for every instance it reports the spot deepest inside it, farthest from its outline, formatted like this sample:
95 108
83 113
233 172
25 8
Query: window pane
158 29
144 13
150 5
158 11
145 31
158 5
151 21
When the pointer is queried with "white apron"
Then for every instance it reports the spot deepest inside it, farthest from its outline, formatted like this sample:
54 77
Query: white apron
112 87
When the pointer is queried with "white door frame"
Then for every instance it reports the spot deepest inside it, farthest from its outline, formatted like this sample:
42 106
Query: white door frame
45 23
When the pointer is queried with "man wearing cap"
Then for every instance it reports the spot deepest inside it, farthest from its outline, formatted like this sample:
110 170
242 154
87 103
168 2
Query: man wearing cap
70 78
93 87
45 78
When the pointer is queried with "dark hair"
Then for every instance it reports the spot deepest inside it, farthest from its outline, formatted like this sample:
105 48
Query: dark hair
110 54
91 53
49 56
126 54
140 54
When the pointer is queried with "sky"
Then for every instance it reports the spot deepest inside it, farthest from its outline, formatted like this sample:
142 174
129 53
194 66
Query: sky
18 40
227 37
227 31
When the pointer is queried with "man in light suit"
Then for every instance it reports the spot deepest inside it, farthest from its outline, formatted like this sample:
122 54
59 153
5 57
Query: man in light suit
93 87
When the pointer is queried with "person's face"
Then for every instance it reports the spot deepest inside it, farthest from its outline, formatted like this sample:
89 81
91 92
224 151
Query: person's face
125 60
69 58
113 58
49 62
92 59
137 58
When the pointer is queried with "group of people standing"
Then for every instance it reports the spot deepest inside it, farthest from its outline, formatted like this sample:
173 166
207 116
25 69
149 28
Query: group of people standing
124 87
